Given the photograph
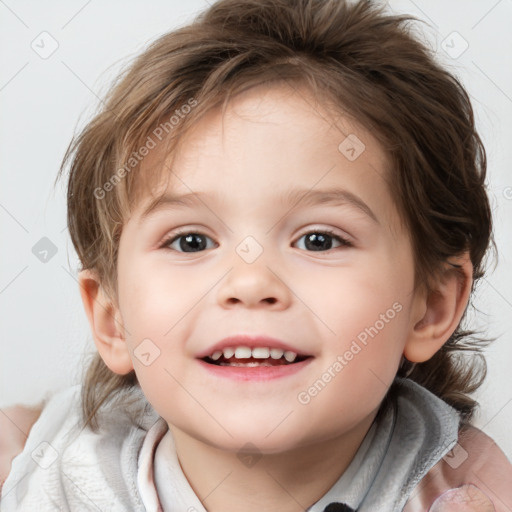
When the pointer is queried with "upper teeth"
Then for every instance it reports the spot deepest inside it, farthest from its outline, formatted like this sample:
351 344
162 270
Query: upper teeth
257 353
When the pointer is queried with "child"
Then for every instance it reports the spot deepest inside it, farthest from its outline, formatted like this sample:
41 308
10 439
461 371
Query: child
305 351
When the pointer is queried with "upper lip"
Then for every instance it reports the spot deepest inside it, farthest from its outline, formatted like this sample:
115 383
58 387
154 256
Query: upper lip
251 341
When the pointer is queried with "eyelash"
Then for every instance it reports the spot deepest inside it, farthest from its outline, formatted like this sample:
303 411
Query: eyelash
178 234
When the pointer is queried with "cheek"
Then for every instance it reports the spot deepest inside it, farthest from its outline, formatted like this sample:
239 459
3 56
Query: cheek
365 318
156 306
355 300
155 299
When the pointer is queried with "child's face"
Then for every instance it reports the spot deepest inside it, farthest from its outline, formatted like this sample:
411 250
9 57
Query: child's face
350 307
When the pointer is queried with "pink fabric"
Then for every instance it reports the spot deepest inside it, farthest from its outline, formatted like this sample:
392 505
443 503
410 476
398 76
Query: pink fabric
475 476
467 498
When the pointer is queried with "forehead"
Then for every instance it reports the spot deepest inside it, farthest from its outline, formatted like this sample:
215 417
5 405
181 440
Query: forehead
283 133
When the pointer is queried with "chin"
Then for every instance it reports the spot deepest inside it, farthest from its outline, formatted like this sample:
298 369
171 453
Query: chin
254 439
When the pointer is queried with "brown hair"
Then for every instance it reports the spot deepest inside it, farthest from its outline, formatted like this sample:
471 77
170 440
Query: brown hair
364 61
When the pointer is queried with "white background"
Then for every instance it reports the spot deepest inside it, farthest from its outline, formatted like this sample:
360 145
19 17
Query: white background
43 329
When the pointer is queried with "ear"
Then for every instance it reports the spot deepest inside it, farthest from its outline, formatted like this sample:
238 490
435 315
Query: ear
439 311
106 323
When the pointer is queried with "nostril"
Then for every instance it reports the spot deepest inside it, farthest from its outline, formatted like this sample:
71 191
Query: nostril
234 300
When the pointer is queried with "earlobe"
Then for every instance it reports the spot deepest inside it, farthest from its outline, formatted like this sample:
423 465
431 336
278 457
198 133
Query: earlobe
105 322
441 310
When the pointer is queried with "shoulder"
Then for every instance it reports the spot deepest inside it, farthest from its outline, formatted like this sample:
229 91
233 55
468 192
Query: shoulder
62 460
475 475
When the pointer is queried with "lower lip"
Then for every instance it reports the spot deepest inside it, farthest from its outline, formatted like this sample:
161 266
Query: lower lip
255 373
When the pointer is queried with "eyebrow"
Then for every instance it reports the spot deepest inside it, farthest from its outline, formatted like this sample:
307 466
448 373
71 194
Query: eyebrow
333 197
294 197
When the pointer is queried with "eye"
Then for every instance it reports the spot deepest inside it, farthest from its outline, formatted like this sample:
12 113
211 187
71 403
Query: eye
187 242
322 241
190 241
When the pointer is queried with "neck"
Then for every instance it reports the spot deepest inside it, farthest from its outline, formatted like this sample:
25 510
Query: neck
293 480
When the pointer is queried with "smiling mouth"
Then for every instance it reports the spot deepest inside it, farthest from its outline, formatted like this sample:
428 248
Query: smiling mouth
245 357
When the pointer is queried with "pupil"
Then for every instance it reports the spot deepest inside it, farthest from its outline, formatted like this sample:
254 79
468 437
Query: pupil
318 241
197 242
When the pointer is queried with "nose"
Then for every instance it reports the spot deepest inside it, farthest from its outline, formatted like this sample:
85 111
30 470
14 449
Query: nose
254 285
